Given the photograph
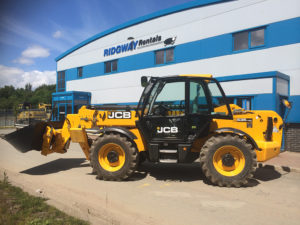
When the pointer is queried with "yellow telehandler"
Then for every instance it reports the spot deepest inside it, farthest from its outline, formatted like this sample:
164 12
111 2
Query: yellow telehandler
26 115
177 120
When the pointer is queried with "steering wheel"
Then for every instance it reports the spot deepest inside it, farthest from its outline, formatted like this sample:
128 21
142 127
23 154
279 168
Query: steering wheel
161 110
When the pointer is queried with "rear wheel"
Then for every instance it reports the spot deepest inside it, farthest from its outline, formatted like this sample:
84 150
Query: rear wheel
113 157
228 160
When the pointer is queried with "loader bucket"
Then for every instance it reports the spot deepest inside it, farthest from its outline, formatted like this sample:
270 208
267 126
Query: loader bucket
27 138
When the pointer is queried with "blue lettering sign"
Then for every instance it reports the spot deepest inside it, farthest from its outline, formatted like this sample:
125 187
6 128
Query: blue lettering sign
124 47
121 48
130 46
113 51
118 50
106 52
135 44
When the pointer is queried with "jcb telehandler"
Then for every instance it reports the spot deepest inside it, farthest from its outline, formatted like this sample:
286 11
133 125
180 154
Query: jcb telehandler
177 120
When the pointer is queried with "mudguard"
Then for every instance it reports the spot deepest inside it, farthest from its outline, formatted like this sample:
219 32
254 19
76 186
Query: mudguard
120 130
239 132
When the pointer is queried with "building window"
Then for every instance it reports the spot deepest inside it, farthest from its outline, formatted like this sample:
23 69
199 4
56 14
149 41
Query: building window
244 102
240 41
79 72
61 81
164 56
249 39
159 57
257 37
169 54
111 66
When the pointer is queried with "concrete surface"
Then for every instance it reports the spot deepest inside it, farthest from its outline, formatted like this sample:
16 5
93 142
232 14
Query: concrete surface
287 161
156 194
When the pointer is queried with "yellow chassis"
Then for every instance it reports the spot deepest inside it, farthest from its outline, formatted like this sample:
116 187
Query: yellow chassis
251 125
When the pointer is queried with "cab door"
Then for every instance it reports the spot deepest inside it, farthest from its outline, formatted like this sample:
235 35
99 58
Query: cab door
200 109
179 110
164 116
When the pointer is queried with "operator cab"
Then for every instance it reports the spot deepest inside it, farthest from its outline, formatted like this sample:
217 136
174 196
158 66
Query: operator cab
174 111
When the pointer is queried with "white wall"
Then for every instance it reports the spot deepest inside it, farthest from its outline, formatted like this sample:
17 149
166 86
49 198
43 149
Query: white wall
125 87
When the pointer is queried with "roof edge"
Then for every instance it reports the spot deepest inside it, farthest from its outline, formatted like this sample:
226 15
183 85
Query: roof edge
160 13
251 76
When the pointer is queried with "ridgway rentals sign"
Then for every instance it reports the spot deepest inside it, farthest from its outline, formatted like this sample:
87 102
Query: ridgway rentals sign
142 43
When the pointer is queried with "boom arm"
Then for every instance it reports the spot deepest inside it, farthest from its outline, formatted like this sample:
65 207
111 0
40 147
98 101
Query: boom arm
76 128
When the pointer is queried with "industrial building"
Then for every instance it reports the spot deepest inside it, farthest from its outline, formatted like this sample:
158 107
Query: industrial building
251 46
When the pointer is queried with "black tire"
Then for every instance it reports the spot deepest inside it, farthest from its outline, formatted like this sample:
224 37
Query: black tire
127 157
238 161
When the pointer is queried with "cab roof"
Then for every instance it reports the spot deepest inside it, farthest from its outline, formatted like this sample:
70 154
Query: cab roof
196 75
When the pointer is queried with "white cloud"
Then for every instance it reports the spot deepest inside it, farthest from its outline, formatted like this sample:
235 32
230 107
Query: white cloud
57 34
19 78
35 51
23 60
31 52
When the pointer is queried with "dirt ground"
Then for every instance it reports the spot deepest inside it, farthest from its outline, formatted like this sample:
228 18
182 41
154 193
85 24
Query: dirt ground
156 194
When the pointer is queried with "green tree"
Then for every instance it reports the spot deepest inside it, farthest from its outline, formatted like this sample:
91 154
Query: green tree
10 97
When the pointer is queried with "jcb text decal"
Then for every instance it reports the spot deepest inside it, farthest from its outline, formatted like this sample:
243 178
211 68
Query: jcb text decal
119 115
167 130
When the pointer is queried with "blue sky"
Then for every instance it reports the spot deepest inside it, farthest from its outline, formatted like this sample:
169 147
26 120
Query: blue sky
34 32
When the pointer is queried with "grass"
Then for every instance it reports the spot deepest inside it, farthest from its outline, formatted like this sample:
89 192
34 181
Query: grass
18 207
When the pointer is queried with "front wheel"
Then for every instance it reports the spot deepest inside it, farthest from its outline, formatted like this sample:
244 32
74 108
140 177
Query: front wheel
228 160
113 157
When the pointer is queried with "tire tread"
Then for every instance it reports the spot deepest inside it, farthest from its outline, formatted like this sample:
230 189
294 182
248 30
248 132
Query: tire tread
213 175
113 176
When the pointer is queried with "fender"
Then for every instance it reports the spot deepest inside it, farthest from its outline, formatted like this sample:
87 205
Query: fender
238 132
120 130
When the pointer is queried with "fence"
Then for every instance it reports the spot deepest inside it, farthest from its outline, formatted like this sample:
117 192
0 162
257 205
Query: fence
7 118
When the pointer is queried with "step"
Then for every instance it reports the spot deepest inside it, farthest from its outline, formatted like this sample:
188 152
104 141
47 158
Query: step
170 151
168 160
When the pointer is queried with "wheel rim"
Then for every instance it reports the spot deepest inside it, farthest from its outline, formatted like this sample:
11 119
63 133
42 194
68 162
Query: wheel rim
111 157
229 160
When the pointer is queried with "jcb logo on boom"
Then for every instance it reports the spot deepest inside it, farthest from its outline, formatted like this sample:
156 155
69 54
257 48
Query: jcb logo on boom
167 130
119 115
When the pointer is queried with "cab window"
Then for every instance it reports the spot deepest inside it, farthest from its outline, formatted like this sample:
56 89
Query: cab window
198 100
169 99
219 106
206 98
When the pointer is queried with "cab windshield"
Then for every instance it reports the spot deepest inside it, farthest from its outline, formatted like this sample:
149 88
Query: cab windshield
177 97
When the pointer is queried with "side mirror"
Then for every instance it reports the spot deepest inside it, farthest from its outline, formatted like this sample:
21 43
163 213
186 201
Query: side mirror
287 103
144 81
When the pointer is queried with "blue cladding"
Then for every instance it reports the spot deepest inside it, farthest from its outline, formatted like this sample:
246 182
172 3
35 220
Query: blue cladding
68 102
294 115
264 102
278 34
142 61
71 74
272 101
91 70
70 95
203 49
285 32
